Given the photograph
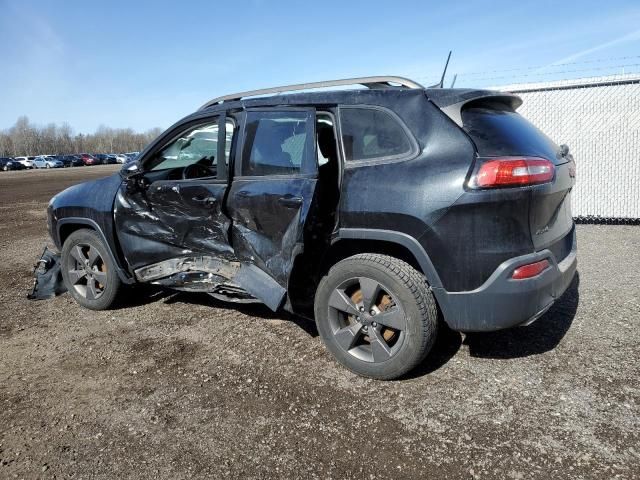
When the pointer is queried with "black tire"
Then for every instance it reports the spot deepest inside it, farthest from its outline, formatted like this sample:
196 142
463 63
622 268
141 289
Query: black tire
88 272
399 285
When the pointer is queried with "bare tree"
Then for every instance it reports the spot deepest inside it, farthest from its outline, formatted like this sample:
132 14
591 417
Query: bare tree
24 138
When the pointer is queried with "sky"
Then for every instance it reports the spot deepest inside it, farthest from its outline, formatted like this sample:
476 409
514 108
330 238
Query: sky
145 64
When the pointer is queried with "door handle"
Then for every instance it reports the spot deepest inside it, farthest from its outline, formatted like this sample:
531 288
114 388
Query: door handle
205 201
290 202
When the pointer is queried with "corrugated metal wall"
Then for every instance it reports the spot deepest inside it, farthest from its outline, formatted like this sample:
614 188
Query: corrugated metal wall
599 118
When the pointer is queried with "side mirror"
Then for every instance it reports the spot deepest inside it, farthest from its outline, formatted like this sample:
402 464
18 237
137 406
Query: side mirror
131 173
131 169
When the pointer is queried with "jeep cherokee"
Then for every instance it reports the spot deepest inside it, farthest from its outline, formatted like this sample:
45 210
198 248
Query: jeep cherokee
374 210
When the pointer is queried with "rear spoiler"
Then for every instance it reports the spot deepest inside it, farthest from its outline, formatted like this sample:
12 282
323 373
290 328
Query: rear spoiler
451 101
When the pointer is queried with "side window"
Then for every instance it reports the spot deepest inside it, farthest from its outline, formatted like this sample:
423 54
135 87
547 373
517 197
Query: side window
196 145
277 143
370 133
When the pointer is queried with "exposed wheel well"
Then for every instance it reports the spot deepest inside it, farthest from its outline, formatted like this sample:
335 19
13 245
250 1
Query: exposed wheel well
307 273
68 228
349 247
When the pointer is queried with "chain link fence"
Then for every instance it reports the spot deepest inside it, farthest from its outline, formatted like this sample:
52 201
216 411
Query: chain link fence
599 118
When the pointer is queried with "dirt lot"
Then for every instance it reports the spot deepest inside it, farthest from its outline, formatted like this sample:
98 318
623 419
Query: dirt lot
182 386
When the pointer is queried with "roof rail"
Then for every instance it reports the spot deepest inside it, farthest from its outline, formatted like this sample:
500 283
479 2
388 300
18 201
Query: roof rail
369 82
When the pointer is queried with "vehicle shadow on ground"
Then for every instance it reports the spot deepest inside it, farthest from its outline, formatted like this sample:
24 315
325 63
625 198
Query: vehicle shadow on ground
145 294
447 345
139 295
540 337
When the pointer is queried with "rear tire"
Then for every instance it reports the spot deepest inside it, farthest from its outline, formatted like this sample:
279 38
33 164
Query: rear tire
376 315
88 272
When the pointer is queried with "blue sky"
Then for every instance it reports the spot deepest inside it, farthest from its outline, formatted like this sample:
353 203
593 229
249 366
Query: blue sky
143 64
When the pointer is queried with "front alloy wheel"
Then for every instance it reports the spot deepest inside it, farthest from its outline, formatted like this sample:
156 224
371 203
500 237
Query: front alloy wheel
88 272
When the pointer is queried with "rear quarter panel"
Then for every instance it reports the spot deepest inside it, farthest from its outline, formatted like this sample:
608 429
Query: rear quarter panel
465 234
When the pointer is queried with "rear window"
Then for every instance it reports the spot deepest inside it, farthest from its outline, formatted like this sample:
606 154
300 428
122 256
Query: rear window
497 130
372 133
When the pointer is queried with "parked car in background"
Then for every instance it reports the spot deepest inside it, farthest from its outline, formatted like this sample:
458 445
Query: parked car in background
89 159
52 161
121 158
60 158
8 163
106 158
43 161
26 162
38 162
132 156
72 161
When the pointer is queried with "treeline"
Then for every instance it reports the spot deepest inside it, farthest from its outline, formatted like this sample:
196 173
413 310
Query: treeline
25 138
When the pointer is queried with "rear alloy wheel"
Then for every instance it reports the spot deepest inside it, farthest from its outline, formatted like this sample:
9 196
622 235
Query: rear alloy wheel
87 271
376 315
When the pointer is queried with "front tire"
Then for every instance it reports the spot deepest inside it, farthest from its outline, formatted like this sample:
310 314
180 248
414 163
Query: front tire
376 315
88 272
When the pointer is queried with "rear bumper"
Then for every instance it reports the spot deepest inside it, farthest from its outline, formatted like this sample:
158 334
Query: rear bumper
502 302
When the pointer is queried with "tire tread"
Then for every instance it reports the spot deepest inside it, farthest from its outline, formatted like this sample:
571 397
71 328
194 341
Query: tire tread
416 284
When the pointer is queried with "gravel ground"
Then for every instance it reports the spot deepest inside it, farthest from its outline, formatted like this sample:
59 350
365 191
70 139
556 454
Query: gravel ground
182 386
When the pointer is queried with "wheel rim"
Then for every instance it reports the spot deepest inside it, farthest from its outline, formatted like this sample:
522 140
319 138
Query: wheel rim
87 271
366 320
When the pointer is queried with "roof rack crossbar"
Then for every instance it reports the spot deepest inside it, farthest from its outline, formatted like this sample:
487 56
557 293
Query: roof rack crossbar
369 82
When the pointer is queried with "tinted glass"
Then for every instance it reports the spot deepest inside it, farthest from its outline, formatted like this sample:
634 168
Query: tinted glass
498 130
369 133
276 143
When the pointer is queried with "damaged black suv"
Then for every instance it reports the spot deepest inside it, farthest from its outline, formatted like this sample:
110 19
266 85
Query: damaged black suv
376 211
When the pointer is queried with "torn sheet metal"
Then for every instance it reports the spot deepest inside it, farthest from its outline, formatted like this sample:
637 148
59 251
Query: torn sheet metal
259 284
216 276
169 219
215 266
48 277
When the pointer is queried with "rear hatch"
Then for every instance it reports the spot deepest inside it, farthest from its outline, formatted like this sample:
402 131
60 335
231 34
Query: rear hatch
498 131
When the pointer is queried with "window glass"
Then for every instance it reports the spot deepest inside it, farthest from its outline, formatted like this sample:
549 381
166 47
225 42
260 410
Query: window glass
197 145
498 130
275 143
369 133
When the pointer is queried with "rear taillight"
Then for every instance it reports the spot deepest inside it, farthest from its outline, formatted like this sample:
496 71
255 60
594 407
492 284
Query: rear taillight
530 270
511 172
